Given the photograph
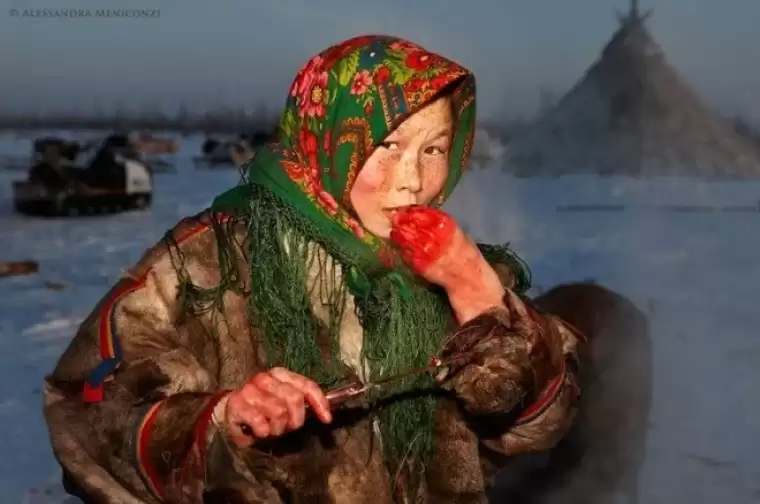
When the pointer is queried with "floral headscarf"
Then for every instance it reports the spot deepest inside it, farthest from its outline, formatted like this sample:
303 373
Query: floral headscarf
342 103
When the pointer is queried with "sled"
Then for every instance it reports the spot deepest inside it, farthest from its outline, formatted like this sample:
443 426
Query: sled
18 268
115 180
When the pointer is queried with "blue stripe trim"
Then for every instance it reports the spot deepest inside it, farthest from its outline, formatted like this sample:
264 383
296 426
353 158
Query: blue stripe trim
101 371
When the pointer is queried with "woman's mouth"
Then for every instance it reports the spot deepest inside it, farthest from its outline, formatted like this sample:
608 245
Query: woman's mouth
392 212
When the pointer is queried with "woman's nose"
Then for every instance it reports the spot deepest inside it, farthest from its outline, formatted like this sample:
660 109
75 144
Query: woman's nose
408 174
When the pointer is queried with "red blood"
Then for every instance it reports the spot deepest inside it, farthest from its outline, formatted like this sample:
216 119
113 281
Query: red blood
422 236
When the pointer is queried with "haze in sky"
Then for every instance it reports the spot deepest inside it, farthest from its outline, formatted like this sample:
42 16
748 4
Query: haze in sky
207 54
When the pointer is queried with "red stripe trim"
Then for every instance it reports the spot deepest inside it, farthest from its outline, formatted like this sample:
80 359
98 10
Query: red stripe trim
200 226
106 332
203 423
196 457
144 464
547 397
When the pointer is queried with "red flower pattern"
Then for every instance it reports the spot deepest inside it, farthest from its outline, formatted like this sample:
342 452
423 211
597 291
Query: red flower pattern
295 171
382 74
327 142
309 88
415 85
361 83
313 102
337 52
403 46
419 60
305 77
309 147
440 81
355 227
327 201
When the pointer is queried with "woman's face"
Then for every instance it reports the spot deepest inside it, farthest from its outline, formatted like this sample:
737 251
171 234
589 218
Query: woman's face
410 167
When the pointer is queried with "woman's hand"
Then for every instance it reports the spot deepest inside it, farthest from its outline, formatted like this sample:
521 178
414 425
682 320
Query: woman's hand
272 403
437 249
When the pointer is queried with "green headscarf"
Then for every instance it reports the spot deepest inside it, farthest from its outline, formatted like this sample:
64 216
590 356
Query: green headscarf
342 103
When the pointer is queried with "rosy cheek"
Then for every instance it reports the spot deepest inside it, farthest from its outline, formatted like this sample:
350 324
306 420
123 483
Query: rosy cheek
374 181
370 188
384 176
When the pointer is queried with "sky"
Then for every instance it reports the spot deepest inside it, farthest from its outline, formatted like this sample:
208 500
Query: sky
213 53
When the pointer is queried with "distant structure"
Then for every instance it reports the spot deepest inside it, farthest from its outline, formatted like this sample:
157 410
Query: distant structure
632 114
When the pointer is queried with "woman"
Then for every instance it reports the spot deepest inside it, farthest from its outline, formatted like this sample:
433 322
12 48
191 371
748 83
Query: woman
201 376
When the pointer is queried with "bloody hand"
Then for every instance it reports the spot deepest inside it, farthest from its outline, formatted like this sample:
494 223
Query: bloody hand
434 246
423 236
272 403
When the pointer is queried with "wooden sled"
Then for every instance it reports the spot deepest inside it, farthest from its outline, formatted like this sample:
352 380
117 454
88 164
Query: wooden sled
18 268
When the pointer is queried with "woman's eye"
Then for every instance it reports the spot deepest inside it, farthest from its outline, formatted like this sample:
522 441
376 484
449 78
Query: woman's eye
435 150
389 145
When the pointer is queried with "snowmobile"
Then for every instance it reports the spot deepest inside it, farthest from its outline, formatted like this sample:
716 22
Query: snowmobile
257 138
147 144
115 179
215 153
246 144
232 153
156 152
68 150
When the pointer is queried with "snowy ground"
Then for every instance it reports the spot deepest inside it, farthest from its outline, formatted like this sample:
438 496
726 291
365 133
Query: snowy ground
698 269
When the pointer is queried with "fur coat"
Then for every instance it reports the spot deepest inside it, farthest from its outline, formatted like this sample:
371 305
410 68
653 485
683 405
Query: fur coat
153 433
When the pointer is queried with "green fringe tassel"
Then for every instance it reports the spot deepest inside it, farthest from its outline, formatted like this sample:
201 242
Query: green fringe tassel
404 319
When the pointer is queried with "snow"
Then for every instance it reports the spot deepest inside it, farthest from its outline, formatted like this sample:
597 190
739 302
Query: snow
698 270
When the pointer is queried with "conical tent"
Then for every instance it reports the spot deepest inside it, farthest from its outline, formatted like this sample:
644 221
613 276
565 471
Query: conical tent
632 114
